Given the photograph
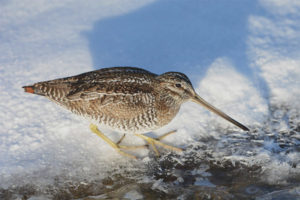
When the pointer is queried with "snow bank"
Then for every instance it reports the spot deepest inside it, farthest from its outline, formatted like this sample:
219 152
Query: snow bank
45 148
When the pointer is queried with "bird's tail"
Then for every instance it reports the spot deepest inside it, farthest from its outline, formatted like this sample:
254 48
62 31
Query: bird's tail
29 89
34 90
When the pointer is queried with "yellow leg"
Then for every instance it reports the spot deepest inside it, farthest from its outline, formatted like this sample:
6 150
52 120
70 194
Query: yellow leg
121 139
153 141
150 141
128 147
165 135
94 129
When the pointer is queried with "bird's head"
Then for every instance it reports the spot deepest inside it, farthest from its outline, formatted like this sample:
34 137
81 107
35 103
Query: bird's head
178 86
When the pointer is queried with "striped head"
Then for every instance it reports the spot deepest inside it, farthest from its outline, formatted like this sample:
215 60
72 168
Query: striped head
177 85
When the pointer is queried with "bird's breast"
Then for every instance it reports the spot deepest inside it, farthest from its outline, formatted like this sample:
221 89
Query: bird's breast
166 112
124 113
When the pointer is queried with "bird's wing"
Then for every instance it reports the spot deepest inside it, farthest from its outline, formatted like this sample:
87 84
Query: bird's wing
110 84
85 92
109 92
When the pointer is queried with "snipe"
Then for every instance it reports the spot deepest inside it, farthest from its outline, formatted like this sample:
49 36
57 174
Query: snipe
125 99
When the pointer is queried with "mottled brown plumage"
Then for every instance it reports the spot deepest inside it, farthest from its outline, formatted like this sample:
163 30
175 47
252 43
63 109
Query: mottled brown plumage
125 99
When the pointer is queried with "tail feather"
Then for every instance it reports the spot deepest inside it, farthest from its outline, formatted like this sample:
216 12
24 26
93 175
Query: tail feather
52 89
34 89
29 89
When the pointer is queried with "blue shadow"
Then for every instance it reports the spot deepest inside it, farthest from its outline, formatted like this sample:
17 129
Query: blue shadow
174 35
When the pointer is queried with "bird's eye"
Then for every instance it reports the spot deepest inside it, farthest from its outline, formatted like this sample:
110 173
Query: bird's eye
178 85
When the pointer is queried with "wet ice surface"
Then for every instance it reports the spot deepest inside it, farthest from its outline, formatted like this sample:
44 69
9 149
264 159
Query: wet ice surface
250 69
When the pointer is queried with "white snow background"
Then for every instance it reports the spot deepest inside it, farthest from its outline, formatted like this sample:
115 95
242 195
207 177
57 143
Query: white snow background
242 56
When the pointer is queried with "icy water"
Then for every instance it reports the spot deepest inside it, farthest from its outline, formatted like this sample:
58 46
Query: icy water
261 164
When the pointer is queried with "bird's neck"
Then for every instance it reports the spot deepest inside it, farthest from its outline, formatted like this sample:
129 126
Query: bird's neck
167 108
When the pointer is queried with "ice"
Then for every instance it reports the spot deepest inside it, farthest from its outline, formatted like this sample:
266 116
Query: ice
243 58
133 194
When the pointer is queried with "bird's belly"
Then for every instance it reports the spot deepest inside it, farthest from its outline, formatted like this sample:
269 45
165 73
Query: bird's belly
141 123
125 126
126 117
137 120
121 117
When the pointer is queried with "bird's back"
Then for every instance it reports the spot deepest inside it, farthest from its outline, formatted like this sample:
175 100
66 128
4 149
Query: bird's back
121 98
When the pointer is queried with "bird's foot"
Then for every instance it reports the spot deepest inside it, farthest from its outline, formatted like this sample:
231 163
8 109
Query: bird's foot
114 145
156 141
128 147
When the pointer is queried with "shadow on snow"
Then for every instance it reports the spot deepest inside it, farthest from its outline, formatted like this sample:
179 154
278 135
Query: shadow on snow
174 35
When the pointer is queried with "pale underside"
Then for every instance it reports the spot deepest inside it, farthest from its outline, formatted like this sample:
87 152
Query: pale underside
124 113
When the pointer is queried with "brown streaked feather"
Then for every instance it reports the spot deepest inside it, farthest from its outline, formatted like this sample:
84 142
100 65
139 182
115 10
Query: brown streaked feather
118 92
113 88
124 98
106 80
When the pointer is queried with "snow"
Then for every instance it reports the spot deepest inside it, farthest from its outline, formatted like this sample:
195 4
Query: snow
243 59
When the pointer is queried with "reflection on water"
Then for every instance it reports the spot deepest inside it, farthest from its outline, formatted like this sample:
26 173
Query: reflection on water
261 164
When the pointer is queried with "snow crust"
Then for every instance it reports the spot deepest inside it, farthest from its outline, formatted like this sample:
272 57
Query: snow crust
42 144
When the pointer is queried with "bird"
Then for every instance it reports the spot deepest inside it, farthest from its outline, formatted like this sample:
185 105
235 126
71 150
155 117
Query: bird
127 100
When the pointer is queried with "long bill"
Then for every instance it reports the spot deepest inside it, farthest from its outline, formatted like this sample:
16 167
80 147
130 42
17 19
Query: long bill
199 100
